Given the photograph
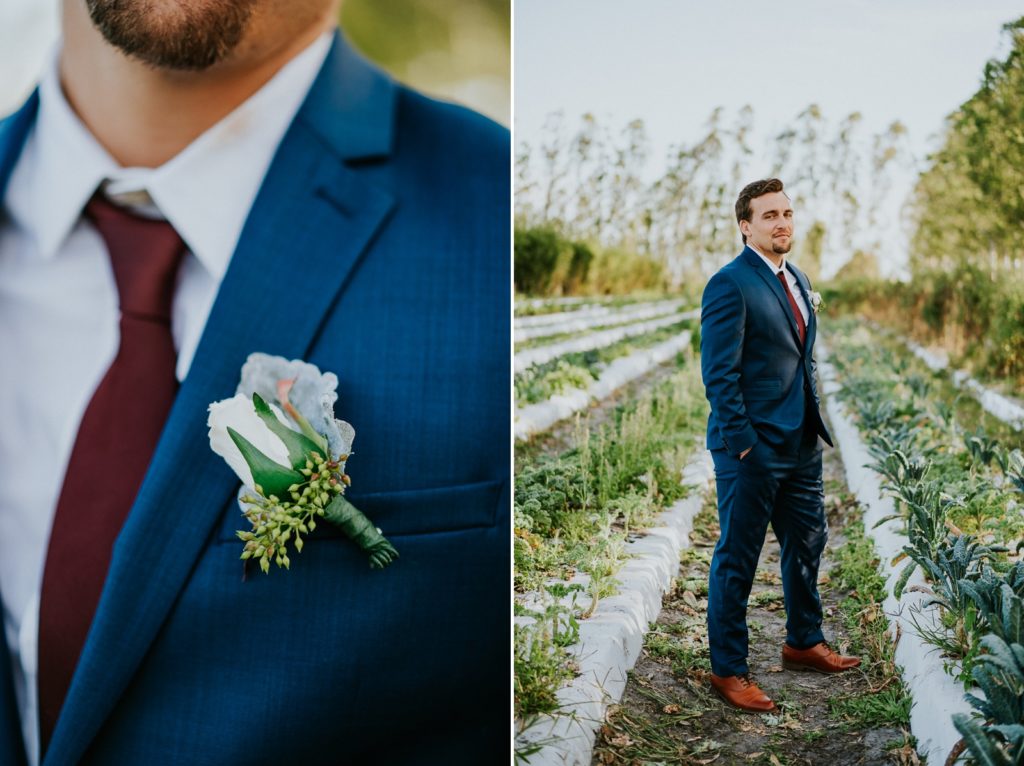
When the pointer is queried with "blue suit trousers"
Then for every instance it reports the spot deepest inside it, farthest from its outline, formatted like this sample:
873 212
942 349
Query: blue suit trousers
764 487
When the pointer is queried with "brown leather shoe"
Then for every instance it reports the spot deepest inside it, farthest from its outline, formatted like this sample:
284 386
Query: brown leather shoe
819 657
742 692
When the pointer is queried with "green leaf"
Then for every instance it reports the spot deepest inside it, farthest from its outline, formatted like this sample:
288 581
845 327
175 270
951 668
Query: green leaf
298 445
901 583
273 478
984 751
311 434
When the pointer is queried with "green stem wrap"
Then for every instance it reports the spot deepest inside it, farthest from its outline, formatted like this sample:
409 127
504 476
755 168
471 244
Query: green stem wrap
361 531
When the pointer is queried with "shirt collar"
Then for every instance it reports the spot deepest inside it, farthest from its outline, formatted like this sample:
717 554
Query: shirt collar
775 269
58 170
205 191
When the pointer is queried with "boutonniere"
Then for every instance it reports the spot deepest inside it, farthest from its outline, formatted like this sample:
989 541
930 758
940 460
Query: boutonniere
816 302
280 437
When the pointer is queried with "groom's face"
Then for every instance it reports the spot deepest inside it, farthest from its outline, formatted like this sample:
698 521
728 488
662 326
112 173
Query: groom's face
195 35
770 228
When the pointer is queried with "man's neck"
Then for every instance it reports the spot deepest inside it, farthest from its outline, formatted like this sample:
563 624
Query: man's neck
144 116
778 260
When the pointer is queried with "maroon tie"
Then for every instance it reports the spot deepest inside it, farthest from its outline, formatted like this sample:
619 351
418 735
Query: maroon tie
801 326
115 442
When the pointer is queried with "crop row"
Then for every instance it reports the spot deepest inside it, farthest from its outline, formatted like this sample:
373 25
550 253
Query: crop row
956 478
528 330
537 417
575 511
527 307
594 340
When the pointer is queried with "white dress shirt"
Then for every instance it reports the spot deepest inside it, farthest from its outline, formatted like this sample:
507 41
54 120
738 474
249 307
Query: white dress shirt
59 308
794 286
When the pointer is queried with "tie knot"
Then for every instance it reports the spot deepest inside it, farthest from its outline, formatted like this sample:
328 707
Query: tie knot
145 254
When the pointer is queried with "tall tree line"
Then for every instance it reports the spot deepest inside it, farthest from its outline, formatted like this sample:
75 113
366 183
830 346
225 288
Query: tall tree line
969 204
595 184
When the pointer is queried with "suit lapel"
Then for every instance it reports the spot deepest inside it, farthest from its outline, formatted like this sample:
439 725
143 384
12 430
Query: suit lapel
13 132
307 230
762 270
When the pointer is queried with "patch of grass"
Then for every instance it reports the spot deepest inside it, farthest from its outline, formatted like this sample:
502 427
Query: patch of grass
768 599
813 735
887 707
698 588
856 566
887 702
683 655
542 665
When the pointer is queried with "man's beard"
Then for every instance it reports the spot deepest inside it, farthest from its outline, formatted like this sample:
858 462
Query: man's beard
782 249
173 35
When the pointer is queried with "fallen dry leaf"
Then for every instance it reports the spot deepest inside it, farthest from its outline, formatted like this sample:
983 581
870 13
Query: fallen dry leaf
670 709
620 740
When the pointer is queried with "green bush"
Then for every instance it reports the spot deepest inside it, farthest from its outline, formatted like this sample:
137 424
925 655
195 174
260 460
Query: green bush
548 264
579 266
977 318
536 255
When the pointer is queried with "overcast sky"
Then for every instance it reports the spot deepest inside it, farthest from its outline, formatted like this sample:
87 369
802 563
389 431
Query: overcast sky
671 62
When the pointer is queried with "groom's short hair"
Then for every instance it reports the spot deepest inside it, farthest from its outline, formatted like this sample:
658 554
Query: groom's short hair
752 191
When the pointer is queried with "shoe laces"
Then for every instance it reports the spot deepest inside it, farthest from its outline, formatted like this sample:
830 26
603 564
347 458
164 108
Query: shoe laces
746 680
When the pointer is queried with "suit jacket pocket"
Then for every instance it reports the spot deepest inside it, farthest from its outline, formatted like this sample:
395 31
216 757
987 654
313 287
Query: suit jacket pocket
407 512
763 388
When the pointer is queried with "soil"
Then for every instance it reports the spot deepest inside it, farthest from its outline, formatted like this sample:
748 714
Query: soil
669 714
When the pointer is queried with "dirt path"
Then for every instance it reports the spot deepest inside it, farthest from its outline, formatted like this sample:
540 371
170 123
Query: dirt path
669 714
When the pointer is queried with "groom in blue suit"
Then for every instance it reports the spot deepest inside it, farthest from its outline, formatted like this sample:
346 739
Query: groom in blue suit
376 246
765 431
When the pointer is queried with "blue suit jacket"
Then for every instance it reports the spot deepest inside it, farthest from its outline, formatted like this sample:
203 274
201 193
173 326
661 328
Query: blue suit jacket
377 248
759 378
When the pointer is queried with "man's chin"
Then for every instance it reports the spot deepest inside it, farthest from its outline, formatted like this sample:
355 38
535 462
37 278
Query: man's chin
165 36
782 249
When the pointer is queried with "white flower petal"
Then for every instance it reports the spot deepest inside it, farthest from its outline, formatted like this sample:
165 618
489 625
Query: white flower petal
239 413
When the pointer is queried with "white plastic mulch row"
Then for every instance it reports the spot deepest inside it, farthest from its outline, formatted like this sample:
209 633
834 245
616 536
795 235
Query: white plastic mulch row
937 696
536 303
611 639
993 403
527 328
535 418
590 341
